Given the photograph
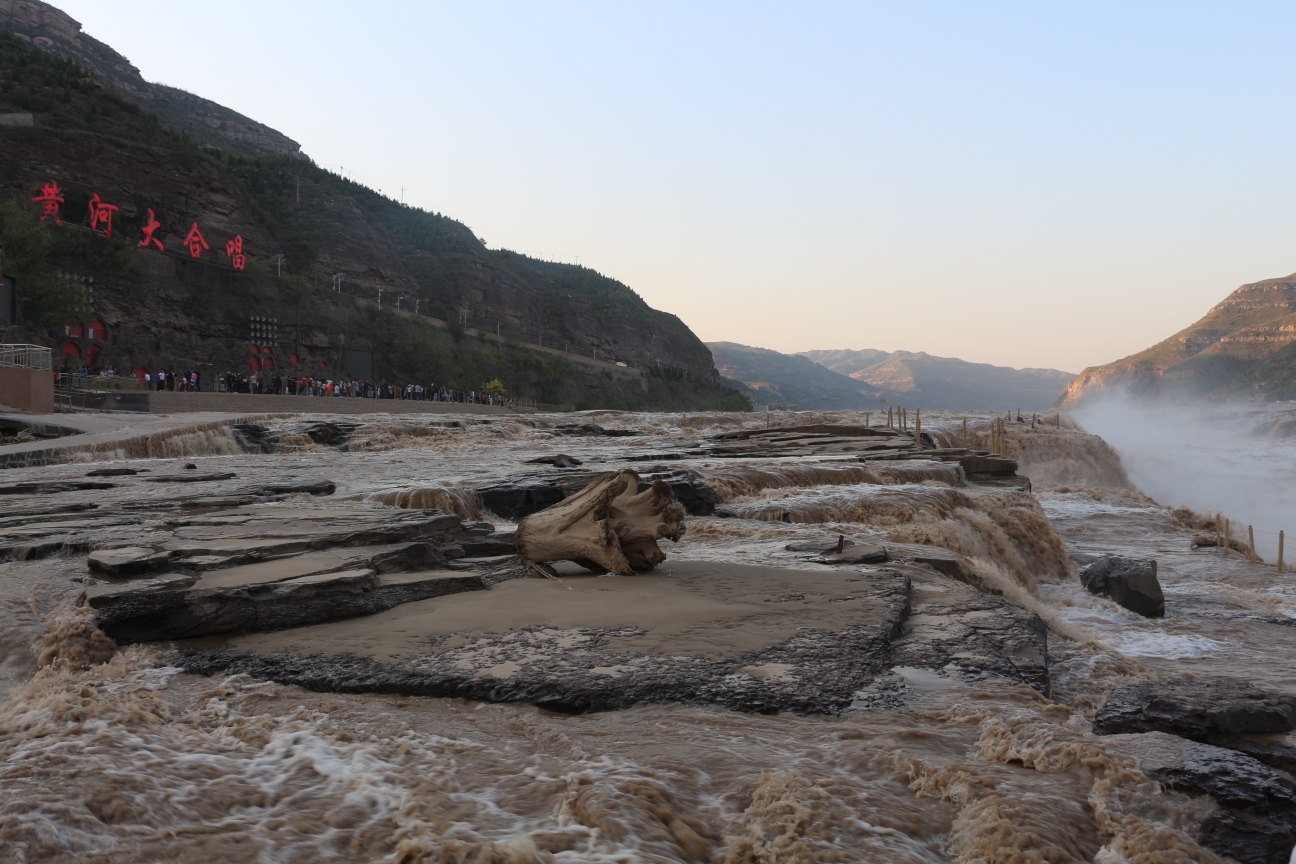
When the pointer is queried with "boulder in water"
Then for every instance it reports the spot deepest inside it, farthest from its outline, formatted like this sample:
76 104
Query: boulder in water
1131 582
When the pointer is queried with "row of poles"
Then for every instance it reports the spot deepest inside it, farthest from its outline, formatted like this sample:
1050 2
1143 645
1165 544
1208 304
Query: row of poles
1223 541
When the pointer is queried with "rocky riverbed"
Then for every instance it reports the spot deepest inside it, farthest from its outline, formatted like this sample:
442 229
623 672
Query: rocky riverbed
860 649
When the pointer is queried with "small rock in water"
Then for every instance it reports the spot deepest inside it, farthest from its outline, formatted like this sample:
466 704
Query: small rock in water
189 466
862 553
561 460
1131 582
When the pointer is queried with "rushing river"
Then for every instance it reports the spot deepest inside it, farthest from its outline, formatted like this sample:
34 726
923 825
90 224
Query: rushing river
130 761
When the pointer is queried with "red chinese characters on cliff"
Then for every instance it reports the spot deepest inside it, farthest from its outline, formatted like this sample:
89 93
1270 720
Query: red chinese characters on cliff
195 242
50 198
234 251
146 232
101 214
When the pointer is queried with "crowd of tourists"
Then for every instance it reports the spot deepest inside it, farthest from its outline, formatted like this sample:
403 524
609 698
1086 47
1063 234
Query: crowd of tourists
237 382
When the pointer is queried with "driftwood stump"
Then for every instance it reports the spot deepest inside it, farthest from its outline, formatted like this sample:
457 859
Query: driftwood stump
609 526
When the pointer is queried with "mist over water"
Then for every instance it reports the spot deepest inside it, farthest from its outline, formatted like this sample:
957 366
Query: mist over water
1239 461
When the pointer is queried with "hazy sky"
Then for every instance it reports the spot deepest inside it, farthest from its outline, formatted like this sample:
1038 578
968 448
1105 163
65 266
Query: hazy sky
1025 184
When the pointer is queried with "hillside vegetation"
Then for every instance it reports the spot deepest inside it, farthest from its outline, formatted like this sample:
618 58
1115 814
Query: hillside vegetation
168 311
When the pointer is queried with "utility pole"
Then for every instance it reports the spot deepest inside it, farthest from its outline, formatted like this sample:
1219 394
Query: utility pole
279 259
379 298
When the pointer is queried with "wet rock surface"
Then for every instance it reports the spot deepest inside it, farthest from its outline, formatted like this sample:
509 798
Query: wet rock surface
1232 714
583 669
591 430
871 621
974 636
1256 819
1196 709
514 499
157 615
561 460
54 487
1130 582
127 561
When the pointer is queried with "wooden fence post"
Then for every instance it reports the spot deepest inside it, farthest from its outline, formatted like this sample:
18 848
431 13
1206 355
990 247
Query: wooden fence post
918 428
1280 552
965 438
1251 556
1226 538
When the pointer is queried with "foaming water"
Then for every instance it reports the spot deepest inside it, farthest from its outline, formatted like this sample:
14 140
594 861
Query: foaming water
124 762
450 499
105 757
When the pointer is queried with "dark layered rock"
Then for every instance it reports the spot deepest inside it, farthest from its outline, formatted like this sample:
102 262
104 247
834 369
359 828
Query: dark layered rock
578 670
493 545
974 636
515 499
327 433
254 438
591 430
985 467
1255 822
127 561
159 615
695 496
1130 582
54 487
115 472
561 460
1233 714
299 485
191 478
852 553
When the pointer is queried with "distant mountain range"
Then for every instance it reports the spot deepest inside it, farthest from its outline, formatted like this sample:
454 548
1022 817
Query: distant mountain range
857 380
1244 347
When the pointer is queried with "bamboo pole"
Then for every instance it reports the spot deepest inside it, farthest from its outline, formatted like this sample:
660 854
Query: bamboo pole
918 428
965 438
1251 556
1219 532
1226 538
1280 552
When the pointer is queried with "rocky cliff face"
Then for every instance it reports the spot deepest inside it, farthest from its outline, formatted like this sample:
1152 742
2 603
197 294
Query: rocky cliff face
1244 347
55 32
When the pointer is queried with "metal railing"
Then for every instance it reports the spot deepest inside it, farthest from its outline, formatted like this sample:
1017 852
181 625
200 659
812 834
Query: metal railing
25 357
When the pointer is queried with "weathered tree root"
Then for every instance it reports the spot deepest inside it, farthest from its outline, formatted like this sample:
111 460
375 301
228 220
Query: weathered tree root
609 526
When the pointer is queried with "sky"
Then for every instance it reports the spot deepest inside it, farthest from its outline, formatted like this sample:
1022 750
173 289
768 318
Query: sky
1025 184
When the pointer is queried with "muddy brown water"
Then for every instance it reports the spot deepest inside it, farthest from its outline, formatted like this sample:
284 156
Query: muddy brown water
129 761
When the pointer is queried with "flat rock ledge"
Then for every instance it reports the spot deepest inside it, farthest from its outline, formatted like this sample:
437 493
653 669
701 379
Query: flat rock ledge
573 669
1236 715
